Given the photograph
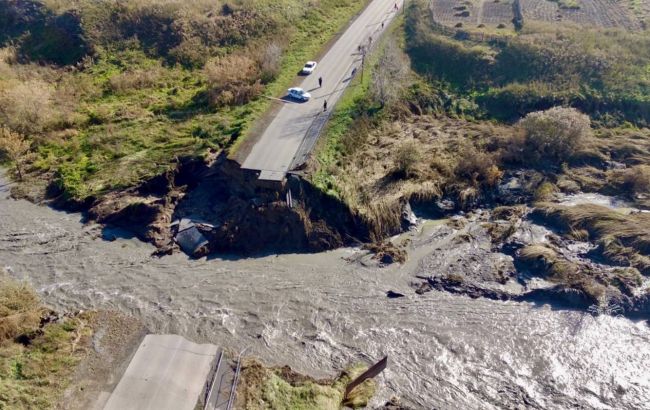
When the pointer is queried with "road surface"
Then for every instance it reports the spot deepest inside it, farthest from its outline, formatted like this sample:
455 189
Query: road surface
274 152
167 372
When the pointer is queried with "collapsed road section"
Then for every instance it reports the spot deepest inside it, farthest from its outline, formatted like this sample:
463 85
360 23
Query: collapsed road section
170 372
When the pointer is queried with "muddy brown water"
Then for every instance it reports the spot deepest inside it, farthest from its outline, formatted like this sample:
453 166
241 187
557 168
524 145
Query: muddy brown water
319 312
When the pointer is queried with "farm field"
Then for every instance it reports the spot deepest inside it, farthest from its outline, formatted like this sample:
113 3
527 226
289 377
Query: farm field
494 13
452 12
599 13
630 15
473 13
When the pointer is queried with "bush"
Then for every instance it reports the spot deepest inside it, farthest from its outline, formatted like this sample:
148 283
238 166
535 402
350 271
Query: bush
478 168
59 40
190 53
153 24
232 80
134 80
407 159
554 135
26 107
20 310
634 180
269 62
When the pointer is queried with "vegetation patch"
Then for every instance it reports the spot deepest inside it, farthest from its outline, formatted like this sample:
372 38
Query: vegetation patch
281 388
38 350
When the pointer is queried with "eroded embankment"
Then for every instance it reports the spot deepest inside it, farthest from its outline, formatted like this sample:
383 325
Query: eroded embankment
513 253
321 311
224 209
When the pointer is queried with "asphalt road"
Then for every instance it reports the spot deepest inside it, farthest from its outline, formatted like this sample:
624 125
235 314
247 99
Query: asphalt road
276 148
167 372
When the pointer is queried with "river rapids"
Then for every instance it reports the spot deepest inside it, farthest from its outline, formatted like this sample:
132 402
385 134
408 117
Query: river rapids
320 312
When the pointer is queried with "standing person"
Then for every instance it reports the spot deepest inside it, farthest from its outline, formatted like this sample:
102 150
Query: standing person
369 41
324 105
396 8
320 82
382 24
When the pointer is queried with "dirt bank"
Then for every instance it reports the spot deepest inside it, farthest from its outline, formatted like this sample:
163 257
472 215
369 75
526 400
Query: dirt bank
231 210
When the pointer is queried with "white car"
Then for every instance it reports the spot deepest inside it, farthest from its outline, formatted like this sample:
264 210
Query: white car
299 94
309 67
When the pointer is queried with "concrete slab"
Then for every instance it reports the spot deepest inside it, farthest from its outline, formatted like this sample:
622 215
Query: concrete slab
266 175
168 372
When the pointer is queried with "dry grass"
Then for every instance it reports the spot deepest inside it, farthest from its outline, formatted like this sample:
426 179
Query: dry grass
415 159
234 80
633 180
135 79
387 252
624 239
20 309
281 388
543 260
37 358
548 262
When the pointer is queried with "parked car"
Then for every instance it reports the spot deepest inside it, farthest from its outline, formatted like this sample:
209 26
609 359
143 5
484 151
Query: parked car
309 67
299 94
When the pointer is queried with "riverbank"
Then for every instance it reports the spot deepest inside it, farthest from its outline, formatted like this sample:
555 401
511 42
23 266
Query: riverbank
326 310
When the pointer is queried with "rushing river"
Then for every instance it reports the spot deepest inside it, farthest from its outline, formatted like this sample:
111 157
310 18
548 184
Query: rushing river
319 312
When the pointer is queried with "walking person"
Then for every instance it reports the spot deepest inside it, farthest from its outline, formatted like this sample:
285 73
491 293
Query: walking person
382 24
324 105
320 82
396 8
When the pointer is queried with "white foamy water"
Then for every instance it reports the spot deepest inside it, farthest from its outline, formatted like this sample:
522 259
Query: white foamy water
319 312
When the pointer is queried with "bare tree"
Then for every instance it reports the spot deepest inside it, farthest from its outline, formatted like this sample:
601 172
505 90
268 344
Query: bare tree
14 146
388 77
